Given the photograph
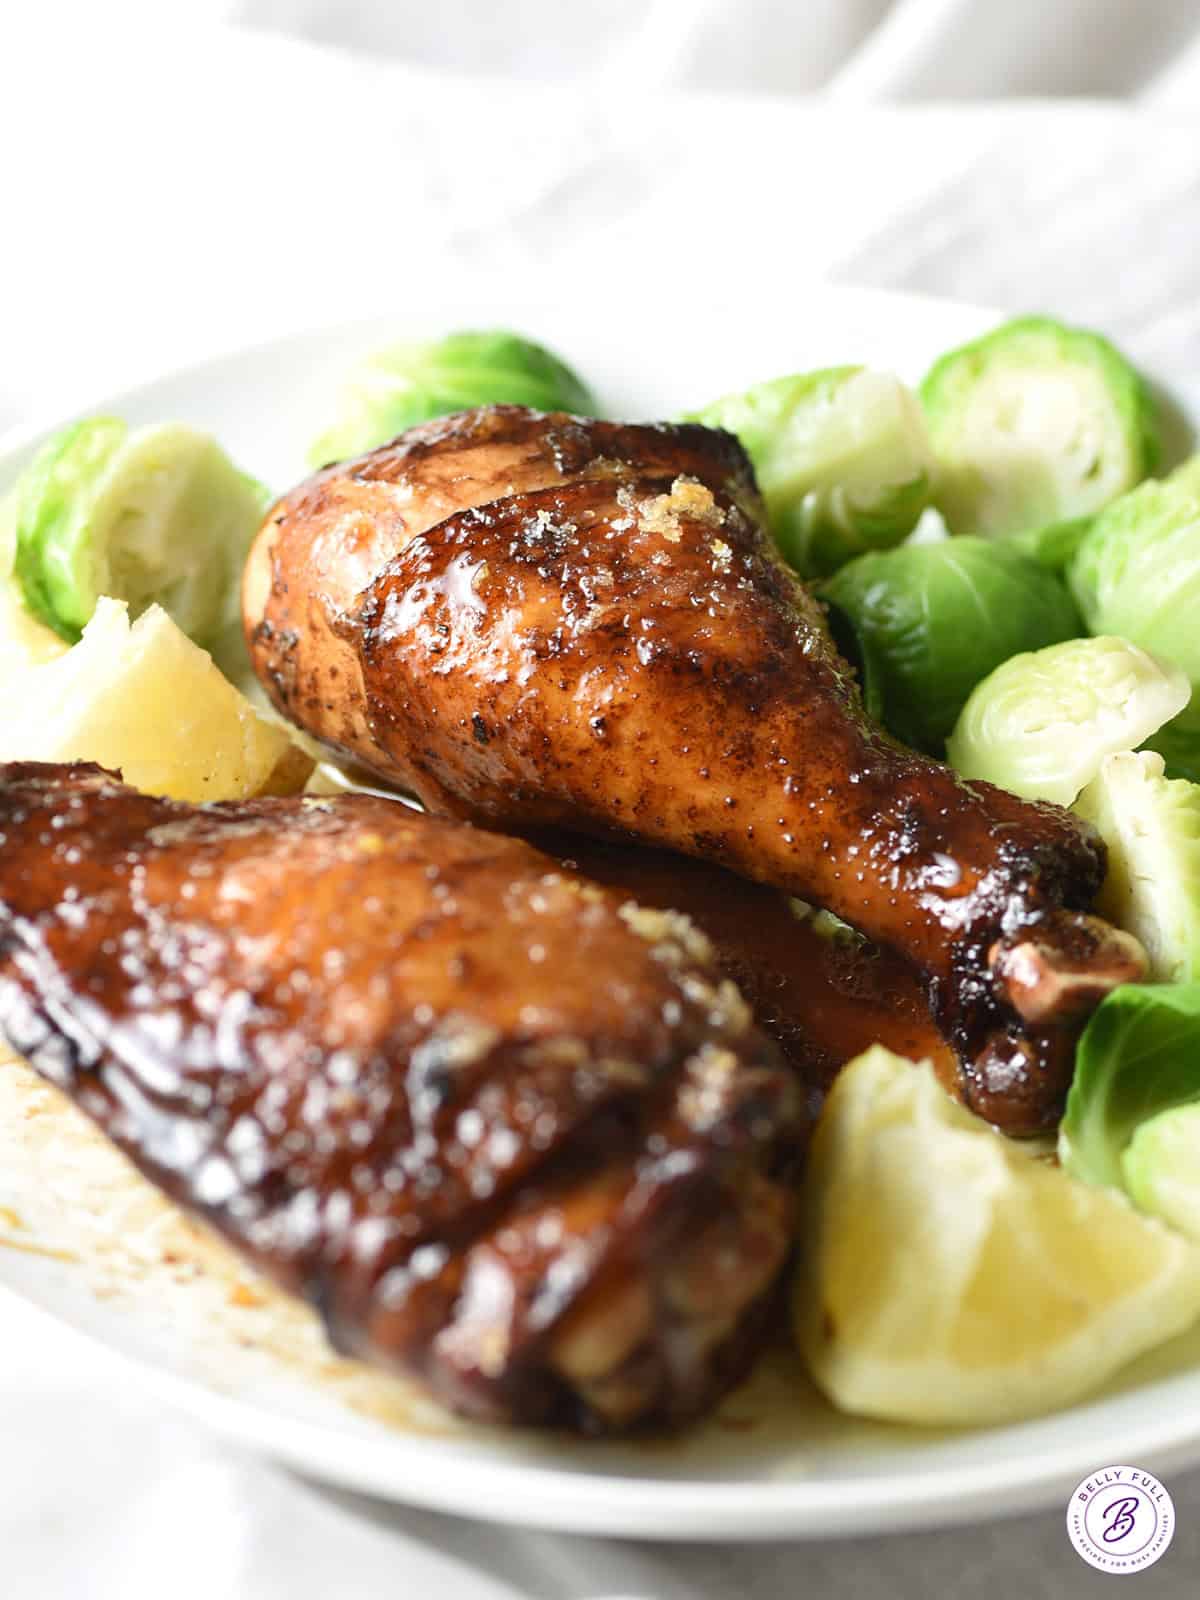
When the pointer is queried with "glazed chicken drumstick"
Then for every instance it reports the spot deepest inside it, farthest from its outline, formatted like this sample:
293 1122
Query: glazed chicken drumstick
823 997
537 620
505 1130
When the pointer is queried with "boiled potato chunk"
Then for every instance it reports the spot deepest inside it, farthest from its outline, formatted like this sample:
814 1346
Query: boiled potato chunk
141 698
948 1275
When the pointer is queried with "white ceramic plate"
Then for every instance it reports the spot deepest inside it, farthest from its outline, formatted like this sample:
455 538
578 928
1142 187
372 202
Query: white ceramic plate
779 1462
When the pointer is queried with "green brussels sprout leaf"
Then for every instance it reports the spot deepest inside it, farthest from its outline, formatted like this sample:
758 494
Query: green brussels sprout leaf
1036 423
412 382
930 621
1041 724
1138 1057
841 457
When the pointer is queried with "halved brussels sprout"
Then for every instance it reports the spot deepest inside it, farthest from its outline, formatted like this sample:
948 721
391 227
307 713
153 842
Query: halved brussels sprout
842 459
929 621
1161 1168
1036 423
24 641
411 382
1178 742
1041 723
1137 572
1138 1057
156 514
1151 825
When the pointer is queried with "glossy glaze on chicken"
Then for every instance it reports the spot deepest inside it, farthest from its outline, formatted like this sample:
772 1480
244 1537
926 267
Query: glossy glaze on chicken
823 996
533 620
505 1130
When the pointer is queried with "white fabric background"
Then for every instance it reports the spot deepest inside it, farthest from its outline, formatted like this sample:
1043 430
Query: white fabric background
857 49
174 185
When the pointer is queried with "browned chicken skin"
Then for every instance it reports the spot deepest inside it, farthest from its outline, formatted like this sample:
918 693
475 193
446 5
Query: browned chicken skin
537 621
823 997
505 1130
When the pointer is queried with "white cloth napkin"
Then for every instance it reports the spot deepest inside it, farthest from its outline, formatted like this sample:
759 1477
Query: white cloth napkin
859 49
175 190
181 189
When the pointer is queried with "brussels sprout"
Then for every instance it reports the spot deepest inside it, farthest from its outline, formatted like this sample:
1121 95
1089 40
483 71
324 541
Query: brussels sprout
1151 825
8 534
24 641
1053 546
1138 1057
1178 742
157 514
1161 1168
842 459
1036 423
412 382
1042 723
1137 572
1187 476
929 621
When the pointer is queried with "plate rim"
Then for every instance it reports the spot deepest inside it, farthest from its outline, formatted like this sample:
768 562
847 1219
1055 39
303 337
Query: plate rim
27 431
545 1498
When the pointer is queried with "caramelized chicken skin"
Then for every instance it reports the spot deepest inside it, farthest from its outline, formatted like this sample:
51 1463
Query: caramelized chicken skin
824 997
540 621
504 1129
